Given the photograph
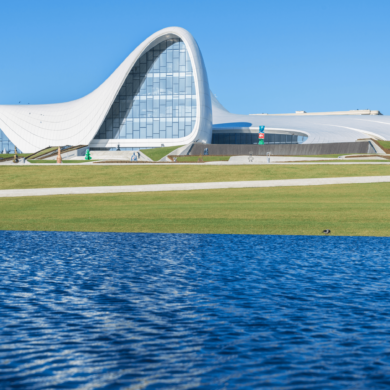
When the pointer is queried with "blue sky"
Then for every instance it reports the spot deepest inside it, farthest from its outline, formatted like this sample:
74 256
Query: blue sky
261 56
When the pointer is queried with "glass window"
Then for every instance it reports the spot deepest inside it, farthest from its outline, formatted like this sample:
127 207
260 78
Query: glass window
175 64
245 138
160 87
149 130
175 129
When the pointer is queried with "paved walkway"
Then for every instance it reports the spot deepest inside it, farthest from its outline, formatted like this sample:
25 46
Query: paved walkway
193 186
335 161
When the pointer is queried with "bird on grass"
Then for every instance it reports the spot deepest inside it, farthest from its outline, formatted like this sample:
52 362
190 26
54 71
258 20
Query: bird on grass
326 231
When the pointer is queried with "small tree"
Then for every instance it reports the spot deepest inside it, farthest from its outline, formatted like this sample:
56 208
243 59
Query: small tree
88 155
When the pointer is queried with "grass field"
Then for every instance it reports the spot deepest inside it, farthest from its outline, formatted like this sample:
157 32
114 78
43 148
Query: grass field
2 155
324 155
44 151
354 209
341 160
158 153
52 175
385 145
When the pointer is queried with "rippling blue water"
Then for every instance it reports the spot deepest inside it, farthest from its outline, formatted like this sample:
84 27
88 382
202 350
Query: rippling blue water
151 311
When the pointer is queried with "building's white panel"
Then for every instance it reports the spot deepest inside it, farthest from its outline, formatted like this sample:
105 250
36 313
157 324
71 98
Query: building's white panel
318 128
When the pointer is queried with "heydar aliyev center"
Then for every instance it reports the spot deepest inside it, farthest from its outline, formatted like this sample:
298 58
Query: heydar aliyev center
160 95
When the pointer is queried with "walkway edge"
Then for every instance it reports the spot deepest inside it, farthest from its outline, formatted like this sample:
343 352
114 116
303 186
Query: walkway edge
192 186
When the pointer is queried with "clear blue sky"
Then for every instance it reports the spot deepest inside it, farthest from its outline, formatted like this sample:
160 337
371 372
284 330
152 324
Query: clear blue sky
261 56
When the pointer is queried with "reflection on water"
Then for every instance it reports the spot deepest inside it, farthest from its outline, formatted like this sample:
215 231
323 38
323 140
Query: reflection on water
185 311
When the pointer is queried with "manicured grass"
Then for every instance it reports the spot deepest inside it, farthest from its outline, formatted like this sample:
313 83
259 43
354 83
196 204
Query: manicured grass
55 161
204 158
341 160
2 155
322 155
158 153
385 145
66 175
350 209
47 150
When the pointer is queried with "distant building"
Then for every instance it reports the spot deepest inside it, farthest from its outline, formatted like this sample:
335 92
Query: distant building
160 95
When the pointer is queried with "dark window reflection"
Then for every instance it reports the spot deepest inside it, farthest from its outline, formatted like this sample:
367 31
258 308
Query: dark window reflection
6 146
249 138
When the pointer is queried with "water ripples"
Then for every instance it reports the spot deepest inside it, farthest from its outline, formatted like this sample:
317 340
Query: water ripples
148 311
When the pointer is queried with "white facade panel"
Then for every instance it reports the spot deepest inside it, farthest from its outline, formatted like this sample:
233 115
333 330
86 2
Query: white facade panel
318 128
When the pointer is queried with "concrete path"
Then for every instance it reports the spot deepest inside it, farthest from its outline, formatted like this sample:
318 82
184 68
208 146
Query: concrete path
193 186
223 163
278 159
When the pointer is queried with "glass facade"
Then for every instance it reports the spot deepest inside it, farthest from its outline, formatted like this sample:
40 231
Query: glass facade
158 98
250 138
6 145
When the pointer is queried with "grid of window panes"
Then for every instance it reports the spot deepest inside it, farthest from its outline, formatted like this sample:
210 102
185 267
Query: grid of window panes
250 138
6 146
158 99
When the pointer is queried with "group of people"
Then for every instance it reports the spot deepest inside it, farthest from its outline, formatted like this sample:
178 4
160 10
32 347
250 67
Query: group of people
135 157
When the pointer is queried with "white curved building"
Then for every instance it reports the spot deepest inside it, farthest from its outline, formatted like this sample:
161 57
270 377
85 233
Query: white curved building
315 128
160 95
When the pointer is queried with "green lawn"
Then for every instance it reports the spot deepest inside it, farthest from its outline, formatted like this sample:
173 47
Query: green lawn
2 155
350 209
341 160
66 175
158 153
44 151
324 155
384 144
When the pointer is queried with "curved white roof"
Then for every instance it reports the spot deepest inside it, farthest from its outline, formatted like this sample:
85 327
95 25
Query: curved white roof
33 127
318 128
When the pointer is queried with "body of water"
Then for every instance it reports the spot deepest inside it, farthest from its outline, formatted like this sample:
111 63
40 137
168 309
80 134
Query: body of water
151 311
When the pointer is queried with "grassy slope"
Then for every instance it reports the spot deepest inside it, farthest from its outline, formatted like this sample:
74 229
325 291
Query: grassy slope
323 155
47 150
158 153
2 155
355 209
49 176
384 144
